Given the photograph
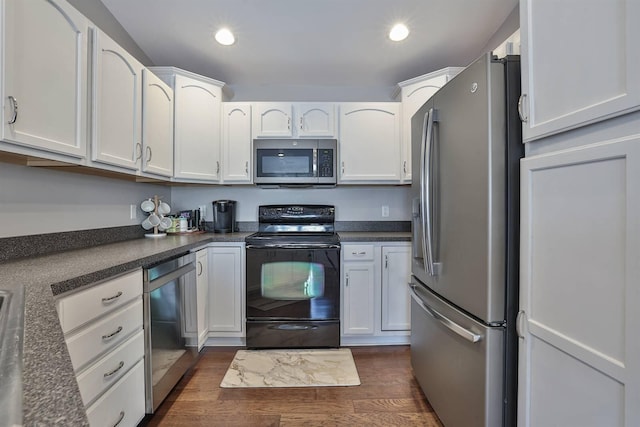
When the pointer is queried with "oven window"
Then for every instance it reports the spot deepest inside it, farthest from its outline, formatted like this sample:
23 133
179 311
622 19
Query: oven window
292 280
278 163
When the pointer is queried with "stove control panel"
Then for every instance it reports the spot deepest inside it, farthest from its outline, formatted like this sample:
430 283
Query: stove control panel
296 214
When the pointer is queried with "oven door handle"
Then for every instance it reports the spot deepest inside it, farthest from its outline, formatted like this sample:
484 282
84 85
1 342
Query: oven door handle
294 246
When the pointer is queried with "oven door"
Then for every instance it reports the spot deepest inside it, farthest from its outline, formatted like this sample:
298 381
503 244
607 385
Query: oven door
293 283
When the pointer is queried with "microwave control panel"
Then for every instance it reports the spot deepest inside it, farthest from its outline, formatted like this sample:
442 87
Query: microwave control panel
325 162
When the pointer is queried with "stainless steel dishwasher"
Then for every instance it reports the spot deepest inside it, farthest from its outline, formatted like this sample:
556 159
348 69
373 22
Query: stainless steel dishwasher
167 353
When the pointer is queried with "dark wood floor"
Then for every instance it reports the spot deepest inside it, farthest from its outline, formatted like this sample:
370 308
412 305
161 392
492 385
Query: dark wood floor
388 396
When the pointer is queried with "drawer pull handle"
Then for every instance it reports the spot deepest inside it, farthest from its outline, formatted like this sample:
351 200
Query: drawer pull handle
112 334
358 253
113 298
119 419
120 366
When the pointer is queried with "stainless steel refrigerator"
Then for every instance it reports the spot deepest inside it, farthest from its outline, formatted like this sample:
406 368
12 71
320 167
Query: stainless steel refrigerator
466 146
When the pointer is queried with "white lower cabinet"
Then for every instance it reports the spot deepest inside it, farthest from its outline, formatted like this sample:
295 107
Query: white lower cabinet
579 351
226 291
396 300
358 289
103 331
375 297
123 404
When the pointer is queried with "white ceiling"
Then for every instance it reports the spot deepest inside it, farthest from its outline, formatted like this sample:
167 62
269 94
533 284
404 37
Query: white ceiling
311 42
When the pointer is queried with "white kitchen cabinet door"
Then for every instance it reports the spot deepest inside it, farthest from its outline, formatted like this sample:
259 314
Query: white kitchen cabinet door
226 291
414 93
157 125
359 298
45 76
358 289
579 351
580 63
396 301
236 143
116 138
202 296
315 120
272 119
197 129
369 147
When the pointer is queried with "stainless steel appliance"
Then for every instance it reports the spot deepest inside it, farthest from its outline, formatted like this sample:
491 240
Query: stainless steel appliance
167 355
466 146
294 162
224 216
293 278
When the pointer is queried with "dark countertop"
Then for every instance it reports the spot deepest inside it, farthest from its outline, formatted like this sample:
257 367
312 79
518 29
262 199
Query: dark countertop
50 391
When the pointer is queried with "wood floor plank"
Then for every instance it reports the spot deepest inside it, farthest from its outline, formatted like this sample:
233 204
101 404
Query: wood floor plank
388 396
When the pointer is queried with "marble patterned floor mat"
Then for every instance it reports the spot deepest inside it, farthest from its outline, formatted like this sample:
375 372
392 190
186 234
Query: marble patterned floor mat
292 368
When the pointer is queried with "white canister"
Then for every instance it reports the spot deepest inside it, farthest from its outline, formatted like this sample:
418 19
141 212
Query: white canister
184 225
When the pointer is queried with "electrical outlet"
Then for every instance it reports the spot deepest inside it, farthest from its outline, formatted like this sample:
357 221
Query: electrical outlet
133 212
385 211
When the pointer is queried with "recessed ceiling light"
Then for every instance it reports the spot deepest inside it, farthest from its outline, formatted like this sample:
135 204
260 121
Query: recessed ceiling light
399 32
225 37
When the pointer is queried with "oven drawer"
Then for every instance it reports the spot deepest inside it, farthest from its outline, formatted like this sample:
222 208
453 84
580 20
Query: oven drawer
293 334
358 252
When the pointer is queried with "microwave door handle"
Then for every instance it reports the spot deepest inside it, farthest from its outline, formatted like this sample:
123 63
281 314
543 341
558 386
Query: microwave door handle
315 162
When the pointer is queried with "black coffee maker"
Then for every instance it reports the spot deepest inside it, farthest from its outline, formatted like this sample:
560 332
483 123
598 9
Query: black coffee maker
224 216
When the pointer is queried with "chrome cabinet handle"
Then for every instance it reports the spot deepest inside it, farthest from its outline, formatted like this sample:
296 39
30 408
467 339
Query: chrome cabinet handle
301 124
149 154
109 300
404 167
386 261
358 253
289 123
201 269
342 168
138 151
246 168
521 112
108 374
217 167
346 281
520 318
119 419
14 104
112 334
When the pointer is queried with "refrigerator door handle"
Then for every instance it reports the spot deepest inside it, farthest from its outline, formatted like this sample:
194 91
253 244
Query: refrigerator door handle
426 196
445 321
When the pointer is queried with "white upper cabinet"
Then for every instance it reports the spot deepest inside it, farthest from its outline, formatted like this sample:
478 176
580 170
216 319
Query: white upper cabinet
197 133
45 76
157 126
285 119
236 143
580 63
369 143
413 94
116 138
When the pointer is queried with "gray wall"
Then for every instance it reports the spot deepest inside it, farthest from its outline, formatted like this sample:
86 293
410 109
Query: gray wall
96 11
36 201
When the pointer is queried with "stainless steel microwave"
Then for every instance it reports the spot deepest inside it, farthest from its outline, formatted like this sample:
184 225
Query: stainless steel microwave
294 162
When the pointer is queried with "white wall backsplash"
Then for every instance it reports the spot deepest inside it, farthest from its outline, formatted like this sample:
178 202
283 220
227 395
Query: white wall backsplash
39 201
353 203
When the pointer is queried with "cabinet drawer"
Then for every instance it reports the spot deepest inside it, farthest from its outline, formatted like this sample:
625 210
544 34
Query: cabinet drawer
122 404
104 335
77 309
113 366
357 252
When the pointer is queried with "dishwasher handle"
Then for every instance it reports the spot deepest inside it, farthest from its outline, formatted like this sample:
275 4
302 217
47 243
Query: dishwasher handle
163 280
444 320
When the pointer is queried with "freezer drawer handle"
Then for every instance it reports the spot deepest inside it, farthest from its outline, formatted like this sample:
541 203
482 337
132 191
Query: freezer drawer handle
448 323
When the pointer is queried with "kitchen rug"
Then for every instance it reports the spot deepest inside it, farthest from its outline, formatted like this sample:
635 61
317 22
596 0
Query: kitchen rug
291 368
